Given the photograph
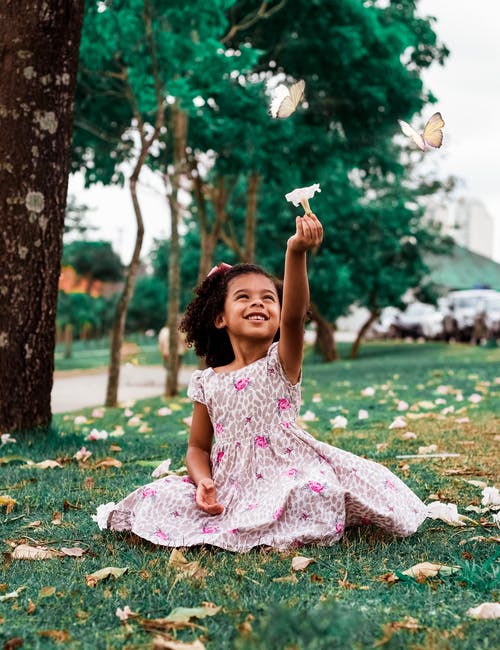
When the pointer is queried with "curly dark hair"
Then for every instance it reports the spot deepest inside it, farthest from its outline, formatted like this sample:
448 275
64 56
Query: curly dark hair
211 343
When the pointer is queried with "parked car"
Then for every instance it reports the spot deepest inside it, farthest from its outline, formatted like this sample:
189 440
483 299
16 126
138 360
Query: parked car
492 316
381 328
462 310
419 319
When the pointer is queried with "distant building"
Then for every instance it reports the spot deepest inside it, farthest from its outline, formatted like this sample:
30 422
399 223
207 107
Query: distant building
469 223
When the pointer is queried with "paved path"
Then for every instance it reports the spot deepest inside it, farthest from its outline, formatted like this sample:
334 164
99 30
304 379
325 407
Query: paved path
74 390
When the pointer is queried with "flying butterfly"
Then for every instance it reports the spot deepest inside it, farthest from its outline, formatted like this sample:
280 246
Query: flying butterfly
432 135
286 100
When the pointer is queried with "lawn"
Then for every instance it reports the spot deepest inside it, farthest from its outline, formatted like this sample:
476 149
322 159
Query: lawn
354 594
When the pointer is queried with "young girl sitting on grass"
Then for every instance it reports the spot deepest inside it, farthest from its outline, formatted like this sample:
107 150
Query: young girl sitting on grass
255 477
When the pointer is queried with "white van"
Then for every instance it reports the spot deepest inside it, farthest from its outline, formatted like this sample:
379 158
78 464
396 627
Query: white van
460 310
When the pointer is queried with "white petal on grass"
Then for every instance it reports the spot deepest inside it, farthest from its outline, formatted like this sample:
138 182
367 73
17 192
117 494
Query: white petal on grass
447 512
409 435
398 423
338 422
402 405
475 398
369 391
363 414
491 497
485 610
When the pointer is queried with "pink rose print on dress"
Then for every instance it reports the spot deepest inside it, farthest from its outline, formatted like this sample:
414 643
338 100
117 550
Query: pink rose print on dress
277 514
234 531
207 530
315 486
148 492
339 527
292 472
219 428
261 441
186 479
242 383
252 506
219 457
161 535
389 484
285 424
283 404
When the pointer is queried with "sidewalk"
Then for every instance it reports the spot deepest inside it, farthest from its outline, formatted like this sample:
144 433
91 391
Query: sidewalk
74 390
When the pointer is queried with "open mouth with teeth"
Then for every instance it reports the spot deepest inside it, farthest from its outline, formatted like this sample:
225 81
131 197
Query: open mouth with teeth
257 317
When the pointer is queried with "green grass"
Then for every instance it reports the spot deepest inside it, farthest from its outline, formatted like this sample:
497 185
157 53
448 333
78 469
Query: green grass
340 601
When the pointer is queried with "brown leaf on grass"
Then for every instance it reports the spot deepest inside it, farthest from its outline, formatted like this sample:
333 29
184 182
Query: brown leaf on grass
7 502
70 506
74 551
108 462
31 607
291 578
115 448
27 552
88 483
390 578
93 578
13 643
60 636
56 519
46 592
44 464
299 562
184 568
388 629
162 643
430 570
481 538
34 524
179 618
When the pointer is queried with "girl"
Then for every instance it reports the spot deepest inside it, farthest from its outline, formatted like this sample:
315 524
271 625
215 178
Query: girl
256 478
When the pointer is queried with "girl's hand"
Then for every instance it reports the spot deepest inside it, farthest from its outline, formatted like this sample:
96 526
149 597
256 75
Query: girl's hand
206 497
308 235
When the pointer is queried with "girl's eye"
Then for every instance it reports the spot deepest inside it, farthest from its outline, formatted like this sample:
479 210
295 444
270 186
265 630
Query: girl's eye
269 297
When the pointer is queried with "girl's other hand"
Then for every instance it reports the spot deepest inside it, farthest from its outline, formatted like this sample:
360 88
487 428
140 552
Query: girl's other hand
308 235
206 497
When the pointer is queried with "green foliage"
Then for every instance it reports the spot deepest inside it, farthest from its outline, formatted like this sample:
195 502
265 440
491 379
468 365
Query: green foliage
83 311
147 309
94 260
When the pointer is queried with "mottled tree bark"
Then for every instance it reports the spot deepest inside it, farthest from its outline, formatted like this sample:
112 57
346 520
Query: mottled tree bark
179 123
364 328
39 44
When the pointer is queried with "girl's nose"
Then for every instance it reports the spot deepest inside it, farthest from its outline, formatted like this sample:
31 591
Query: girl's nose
258 301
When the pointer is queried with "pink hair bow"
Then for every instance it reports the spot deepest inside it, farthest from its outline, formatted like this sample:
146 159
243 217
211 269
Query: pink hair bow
218 268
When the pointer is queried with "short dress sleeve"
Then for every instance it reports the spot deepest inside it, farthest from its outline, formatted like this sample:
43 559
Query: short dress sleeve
196 390
274 367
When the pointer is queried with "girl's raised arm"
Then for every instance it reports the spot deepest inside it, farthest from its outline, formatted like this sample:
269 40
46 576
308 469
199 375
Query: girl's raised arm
308 235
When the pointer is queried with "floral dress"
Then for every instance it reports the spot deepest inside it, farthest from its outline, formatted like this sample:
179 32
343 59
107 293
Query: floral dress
279 486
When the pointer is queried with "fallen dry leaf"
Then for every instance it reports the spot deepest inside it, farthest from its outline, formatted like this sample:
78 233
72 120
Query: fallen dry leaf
31 607
7 502
108 462
409 623
74 551
61 636
184 568
46 592
485 610
27 552
13 594
299 562
45 464
291 578
160 643
429 570
93 578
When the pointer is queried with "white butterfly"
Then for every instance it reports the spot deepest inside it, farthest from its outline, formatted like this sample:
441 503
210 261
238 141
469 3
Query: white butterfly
285 100
432 135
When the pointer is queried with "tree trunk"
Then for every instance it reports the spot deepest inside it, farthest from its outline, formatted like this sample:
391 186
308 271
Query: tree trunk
68 341
179 130
364 328
325 337
251 217
38 63
118 331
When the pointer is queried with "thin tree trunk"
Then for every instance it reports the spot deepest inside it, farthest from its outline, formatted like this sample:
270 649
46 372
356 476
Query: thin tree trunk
118 331
39 43
251 217
364 328
179 130
325 337
68 341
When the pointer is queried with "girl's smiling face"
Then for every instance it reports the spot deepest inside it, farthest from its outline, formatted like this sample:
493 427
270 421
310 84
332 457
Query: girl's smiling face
252 307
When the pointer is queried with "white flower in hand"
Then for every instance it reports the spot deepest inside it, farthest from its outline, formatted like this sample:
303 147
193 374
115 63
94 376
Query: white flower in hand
302 195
